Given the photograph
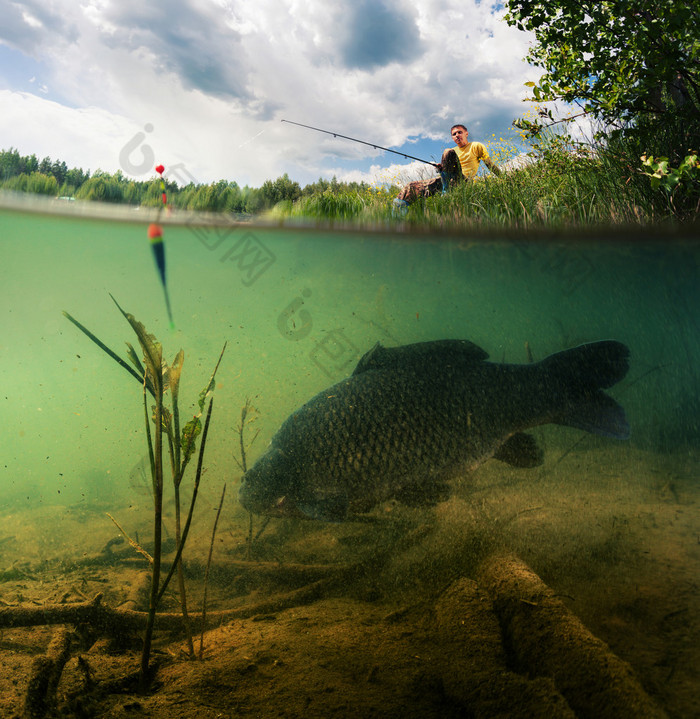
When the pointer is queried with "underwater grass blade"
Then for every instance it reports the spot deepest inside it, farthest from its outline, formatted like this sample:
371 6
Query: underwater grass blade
132 542
206 573
106 349
131 354
175 373
212 382
244 414
157 530
195 491
188 441
243 464
149 440
178 471
152 351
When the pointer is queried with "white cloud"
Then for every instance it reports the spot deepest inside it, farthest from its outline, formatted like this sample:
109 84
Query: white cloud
214 78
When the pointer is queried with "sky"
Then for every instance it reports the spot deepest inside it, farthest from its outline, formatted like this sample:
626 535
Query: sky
201 86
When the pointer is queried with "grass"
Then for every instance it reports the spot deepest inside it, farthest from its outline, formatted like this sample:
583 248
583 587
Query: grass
564 185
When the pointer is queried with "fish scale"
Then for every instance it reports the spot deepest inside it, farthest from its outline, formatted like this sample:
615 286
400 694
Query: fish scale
410 416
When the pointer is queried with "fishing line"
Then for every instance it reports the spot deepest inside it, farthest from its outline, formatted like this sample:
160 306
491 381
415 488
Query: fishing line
362 142
251 139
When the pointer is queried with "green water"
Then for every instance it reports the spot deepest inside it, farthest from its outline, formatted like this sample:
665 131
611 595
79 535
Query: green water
611 525
298 308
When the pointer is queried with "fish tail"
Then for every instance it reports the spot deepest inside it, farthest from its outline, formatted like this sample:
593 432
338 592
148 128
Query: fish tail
578 375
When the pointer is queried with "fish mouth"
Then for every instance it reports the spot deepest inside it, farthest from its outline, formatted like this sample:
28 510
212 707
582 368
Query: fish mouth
283 506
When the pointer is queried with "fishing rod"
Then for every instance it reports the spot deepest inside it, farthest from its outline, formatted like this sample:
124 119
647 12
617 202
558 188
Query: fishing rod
371 144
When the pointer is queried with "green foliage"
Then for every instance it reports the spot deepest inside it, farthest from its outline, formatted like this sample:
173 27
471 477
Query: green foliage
680 185
340 201
333 205
188 441
564 184
616 59
662 175
36 183
157 378
49 177
13 166
281 189
101 188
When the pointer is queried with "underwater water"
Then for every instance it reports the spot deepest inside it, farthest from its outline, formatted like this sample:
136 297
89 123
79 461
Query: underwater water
297 308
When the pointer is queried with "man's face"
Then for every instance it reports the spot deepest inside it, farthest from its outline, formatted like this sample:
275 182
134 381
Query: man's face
459 135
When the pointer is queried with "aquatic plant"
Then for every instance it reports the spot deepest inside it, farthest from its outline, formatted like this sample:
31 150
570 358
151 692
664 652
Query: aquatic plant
157 378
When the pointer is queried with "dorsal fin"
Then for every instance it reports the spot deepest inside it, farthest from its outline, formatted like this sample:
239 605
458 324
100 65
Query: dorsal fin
421 355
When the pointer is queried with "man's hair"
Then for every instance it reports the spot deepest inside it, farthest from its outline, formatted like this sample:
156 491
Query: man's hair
464 127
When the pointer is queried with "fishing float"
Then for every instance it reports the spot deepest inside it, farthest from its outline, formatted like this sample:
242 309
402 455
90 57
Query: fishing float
155 237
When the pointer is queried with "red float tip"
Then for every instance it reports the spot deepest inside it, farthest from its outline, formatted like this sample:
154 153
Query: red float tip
154 231
160 169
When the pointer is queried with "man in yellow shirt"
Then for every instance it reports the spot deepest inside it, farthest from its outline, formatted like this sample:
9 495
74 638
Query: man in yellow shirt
457 164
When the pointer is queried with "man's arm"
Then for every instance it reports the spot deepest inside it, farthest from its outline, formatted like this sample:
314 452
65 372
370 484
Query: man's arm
492 166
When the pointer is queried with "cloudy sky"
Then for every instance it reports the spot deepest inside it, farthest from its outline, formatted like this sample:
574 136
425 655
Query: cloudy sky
201 86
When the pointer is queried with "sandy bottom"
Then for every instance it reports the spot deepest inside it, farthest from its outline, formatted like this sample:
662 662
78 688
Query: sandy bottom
615 533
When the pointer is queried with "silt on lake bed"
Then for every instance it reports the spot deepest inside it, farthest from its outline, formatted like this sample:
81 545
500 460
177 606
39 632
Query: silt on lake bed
411 416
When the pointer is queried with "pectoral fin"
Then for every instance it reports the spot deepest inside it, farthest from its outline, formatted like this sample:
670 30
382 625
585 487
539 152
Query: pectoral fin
333 508
520 450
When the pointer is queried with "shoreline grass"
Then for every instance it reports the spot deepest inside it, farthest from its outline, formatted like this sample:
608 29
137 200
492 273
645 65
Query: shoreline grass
564 185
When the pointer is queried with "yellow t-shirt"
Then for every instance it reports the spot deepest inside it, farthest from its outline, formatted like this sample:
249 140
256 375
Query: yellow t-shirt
469 157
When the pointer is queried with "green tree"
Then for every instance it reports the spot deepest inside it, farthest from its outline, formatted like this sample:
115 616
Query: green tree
42 184
31 164
280 189
59 170
101 187
10 164
75 177
36 183
618 59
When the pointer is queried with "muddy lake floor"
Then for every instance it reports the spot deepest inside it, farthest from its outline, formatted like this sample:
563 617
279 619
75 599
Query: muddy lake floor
614 533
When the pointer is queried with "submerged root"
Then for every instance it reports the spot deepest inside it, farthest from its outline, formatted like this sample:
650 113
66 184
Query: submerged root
106 620
474 671
544 636
45 674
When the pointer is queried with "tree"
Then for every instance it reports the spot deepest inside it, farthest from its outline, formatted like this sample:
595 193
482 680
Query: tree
10 164
59 170
619 59
280 189
100 187
76 177
30 164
